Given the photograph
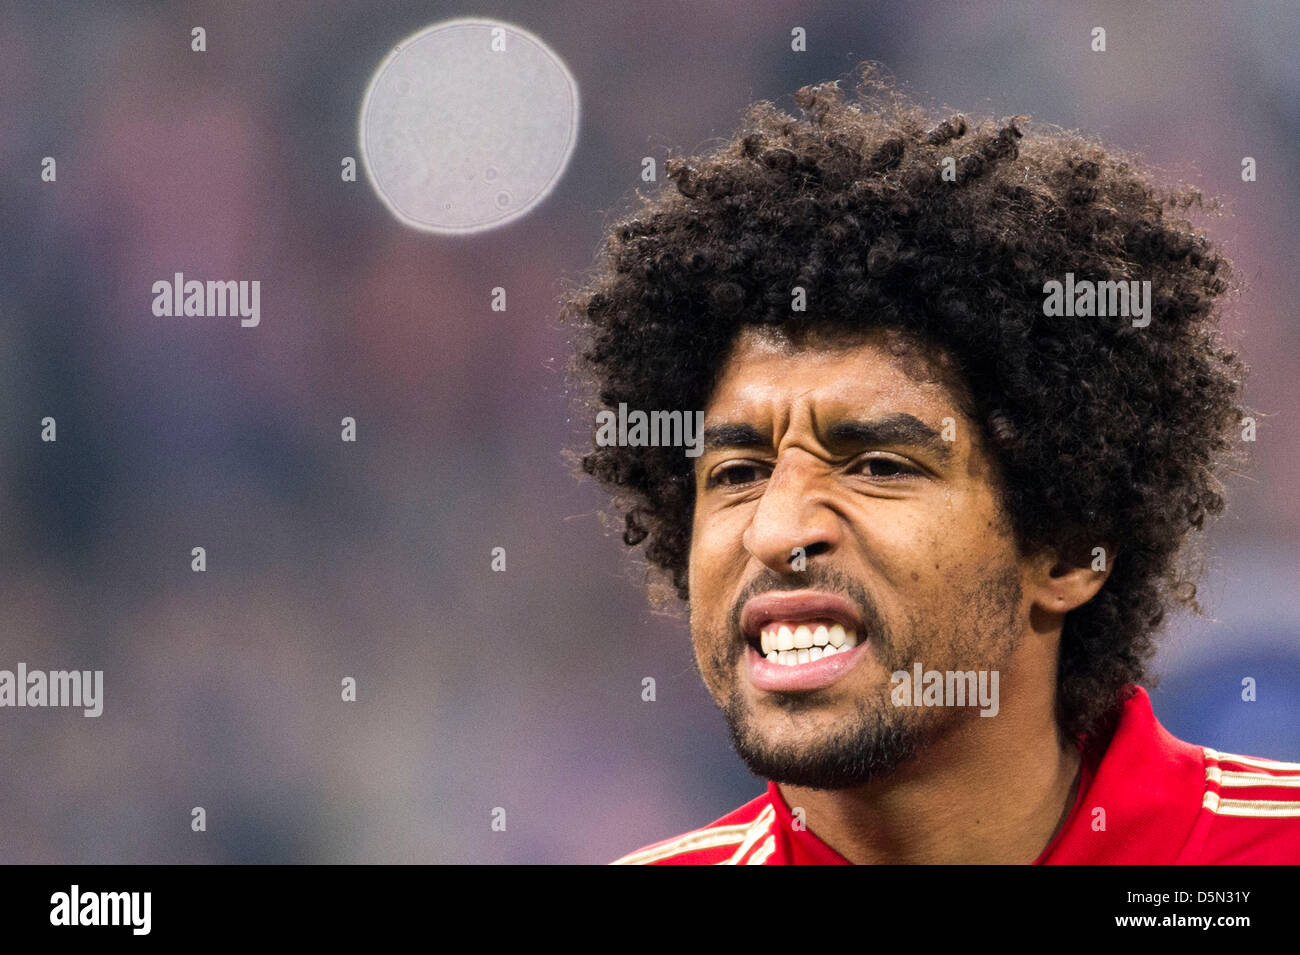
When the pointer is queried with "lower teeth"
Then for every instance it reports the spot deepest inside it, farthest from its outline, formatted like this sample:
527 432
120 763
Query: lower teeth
791 658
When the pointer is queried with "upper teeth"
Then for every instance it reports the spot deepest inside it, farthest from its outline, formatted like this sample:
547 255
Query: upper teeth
803 643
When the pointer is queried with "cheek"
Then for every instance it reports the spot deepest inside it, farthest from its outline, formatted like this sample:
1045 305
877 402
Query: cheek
900 544
701 583
695 563
717 553
958 556
970 533
923 552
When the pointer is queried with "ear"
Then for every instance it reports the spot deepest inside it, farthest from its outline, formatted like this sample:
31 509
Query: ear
1058 584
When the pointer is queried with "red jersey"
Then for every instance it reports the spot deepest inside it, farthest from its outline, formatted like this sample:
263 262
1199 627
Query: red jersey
1148 799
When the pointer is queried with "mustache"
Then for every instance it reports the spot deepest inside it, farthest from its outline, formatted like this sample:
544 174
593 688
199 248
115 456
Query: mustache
827 579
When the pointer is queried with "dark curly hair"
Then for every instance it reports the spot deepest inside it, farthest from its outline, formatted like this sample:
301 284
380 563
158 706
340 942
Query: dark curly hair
1102 431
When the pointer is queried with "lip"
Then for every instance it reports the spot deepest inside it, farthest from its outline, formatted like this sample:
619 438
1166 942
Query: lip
798 606
815 675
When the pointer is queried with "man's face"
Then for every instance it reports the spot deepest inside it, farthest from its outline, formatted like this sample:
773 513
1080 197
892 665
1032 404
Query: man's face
832 492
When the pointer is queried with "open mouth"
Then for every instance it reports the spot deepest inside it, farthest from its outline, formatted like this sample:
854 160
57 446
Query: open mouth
793 643
790 628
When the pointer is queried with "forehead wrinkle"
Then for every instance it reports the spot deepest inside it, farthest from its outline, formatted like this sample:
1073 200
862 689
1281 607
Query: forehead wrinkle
803 403
765 397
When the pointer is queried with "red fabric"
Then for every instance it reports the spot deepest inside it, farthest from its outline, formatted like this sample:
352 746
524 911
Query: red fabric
1150 799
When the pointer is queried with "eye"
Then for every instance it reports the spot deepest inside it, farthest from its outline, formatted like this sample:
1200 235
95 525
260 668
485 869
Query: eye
885 468
738 473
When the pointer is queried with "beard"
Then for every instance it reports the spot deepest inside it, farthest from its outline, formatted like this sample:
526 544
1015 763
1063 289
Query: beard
876 737
872 744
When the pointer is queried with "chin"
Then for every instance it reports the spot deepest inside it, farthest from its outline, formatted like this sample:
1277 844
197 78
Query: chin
854 749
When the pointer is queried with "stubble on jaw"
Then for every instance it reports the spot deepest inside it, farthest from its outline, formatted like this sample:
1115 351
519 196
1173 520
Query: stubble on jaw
877 737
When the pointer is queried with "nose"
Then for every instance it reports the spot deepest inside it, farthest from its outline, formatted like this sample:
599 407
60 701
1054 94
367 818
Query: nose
793 517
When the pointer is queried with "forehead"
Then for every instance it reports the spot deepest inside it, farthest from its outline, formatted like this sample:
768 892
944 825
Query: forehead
880 370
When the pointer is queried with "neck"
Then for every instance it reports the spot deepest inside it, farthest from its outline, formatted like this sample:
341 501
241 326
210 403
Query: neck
980 794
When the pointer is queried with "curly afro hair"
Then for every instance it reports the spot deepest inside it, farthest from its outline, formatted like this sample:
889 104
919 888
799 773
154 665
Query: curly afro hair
1102 431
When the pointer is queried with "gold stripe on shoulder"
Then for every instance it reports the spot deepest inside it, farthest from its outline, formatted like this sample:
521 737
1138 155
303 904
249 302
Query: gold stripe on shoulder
757 830
1251 808
1231 780
762 852
709 838
1271 765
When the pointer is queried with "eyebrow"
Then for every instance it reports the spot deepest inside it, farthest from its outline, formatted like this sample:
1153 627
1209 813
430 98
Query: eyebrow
896 429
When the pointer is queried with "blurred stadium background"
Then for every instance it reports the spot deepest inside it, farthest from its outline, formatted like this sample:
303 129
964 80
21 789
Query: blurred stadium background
476 689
